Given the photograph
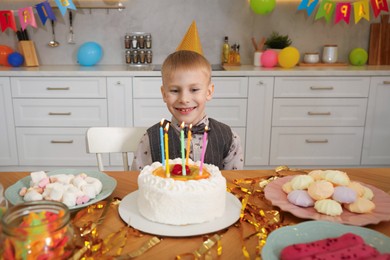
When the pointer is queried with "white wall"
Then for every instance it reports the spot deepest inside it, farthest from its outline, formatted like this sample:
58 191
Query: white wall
168 21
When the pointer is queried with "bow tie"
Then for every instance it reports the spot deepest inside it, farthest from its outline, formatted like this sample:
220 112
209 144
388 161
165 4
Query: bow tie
198 129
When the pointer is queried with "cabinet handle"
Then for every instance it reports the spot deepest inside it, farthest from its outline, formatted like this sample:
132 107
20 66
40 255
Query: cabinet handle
59 114
50 88
260 83
310 141
319 113
321 88
119 83
386 82
61 142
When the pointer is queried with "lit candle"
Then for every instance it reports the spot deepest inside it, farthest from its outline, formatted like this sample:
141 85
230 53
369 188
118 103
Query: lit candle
189 136
167 172
162 143
203 150
183 159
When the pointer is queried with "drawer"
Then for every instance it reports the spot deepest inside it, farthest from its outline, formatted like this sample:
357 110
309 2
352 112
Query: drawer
316 145
321 86
56 87
54 146
319 112
60 112
229 111
225 87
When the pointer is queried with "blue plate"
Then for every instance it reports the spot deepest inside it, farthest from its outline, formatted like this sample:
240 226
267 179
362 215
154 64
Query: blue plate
316 230
109 184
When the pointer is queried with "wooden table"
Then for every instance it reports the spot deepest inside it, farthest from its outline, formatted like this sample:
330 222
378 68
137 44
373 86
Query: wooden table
170 247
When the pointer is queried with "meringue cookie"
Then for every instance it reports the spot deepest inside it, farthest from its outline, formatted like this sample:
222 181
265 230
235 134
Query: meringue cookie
337 177
317 174
300 198
320 190
301 182
328 207
356 186
344 194
287 187
368 194
361 205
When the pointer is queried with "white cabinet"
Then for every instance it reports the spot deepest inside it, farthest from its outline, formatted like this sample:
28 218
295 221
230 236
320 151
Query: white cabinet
318 120
8 152
52 115
258 128
376 146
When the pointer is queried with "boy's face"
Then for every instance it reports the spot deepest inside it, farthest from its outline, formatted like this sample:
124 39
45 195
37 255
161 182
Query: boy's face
186 93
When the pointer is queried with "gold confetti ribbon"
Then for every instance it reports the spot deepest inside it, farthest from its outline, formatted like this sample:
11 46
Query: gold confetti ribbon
203 249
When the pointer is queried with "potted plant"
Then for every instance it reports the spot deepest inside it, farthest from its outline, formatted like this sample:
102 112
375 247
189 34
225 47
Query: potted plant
278 41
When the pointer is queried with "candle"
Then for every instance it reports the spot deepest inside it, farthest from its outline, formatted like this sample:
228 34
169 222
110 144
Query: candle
203 150
167 172
183 160
189 136
162 143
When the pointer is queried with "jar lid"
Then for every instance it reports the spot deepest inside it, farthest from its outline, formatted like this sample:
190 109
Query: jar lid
311 53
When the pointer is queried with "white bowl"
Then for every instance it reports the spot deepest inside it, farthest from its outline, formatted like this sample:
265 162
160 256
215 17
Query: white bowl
311 57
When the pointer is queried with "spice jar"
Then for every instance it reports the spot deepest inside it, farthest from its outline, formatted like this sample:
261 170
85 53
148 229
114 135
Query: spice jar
148 41
149 56
141 42
127 42
134 42
128 56
135 56
142 56
37 230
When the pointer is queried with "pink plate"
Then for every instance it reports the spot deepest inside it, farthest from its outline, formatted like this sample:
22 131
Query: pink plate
274 193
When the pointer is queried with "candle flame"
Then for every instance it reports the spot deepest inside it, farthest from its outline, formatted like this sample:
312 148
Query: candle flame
182 125
162 121
190 127
206 128
166 127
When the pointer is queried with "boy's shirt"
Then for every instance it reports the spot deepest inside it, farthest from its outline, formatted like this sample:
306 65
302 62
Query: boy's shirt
234 160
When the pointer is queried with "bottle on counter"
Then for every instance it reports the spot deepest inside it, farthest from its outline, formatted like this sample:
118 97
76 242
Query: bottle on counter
225 50
148 41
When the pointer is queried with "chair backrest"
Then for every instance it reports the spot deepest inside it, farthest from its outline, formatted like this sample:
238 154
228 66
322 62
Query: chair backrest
113 140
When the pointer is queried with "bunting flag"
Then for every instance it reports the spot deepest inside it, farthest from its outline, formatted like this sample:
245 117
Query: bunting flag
7 20
325 10
343 12
378 6
309 5
361 10
45 12
63 5
26 17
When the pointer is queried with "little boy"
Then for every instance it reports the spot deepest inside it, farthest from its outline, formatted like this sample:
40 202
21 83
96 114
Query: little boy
187 86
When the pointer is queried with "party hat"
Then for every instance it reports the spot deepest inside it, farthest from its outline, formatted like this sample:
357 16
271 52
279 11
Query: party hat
191 40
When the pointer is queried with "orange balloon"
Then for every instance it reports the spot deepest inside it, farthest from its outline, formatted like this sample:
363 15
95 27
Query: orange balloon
4 52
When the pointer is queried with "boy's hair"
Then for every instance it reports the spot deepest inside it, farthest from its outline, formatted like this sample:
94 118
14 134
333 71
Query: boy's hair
184 60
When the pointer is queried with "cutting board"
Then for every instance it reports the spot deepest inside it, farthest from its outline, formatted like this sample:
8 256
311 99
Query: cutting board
379 46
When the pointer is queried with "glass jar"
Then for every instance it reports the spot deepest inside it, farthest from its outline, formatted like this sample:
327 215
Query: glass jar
37 230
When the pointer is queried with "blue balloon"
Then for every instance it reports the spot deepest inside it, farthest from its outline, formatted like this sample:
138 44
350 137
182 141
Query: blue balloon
89 54
15 59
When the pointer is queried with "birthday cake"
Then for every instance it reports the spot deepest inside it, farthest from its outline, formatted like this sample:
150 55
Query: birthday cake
176 199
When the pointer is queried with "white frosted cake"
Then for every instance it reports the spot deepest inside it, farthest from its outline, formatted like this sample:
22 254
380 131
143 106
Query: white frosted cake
181 200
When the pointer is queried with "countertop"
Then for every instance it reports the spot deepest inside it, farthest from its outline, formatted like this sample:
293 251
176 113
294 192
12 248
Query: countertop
243 70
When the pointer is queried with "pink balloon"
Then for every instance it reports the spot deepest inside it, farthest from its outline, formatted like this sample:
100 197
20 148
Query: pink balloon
269 59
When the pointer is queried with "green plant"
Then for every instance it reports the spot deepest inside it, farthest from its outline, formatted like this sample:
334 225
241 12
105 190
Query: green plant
277 41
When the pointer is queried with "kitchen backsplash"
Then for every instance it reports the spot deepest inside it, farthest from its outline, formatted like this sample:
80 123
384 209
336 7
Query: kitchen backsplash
169 20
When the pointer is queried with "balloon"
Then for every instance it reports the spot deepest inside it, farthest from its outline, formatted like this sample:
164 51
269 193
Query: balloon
4 52
15 59
358 57
89 54
262 6
269 58
288 57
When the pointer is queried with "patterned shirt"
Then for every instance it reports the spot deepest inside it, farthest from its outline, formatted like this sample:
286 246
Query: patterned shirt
233 161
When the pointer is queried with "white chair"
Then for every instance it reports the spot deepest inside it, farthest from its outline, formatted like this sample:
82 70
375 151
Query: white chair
113 140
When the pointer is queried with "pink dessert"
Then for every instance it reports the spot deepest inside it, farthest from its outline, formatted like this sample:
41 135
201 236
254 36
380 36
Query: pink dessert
300 198
347 246
344 194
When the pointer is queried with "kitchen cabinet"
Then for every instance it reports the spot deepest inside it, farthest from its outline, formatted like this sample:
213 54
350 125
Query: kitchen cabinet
258 128
52 115
318 120
376 146
8 151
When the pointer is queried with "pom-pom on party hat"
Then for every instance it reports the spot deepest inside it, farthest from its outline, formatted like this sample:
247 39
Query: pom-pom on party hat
191 40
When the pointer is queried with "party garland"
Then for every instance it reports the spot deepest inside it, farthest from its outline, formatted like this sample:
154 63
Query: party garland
342 10
26 14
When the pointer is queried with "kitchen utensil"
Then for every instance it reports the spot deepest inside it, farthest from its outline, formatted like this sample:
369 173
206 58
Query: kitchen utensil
53 42
379 47
71 33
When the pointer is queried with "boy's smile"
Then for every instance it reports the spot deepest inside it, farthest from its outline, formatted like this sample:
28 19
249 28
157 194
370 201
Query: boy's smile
186 93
